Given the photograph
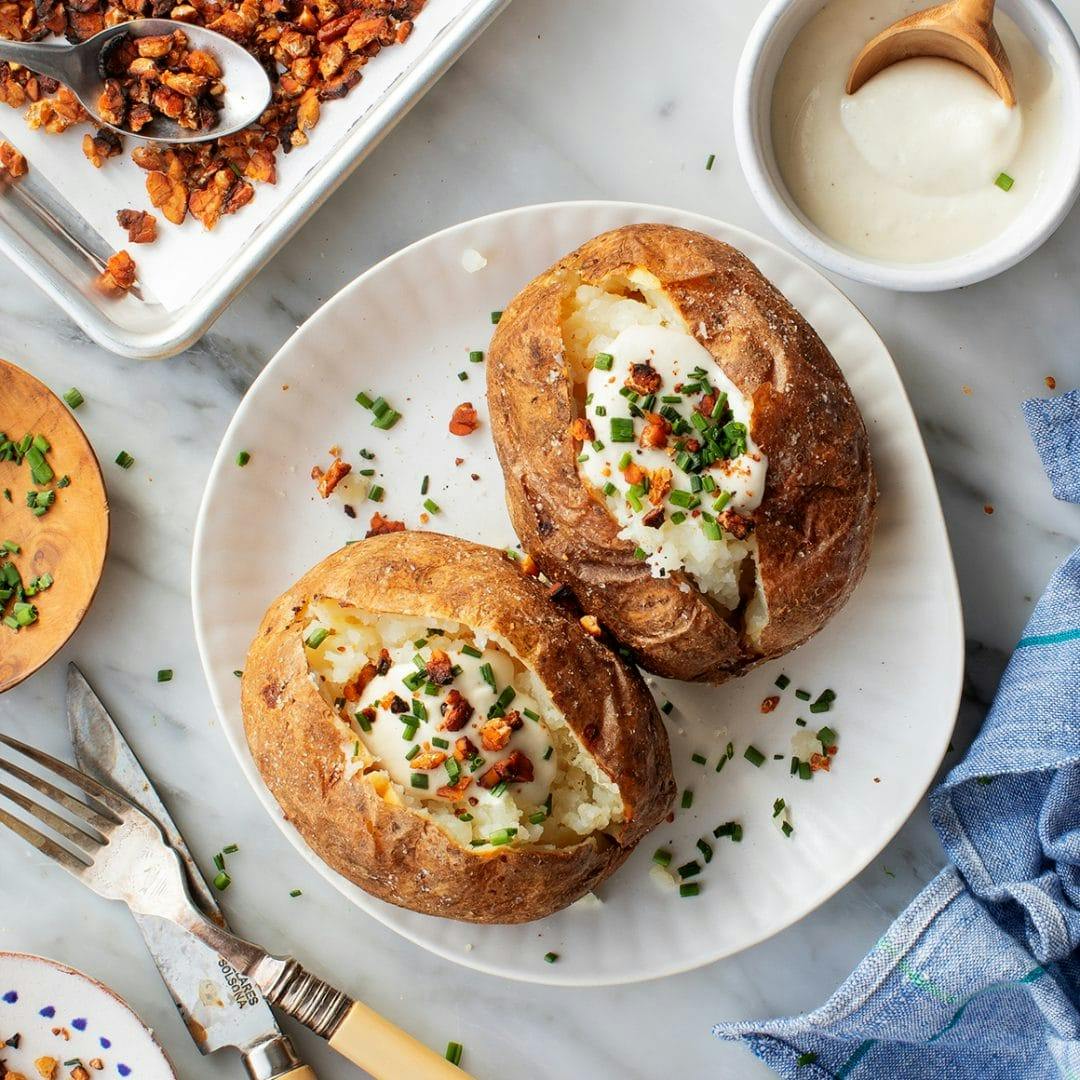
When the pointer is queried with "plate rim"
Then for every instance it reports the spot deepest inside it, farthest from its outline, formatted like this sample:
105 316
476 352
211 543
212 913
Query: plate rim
371 905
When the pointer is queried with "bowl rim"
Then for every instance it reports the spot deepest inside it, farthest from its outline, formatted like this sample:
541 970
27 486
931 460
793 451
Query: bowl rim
984 262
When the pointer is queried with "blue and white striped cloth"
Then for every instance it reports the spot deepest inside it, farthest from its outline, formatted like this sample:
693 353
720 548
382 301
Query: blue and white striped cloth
979 979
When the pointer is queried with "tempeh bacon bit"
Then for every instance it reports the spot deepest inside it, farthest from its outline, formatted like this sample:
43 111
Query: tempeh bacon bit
590 625
464 749
353 690
12 161
514 768
118 275
495 734
659 486
456 712
395 703
428 759
384 662
820 762
454 792
529 566
643 379
654 434
581 430
770 703
380 526
736 524
439 668
633 473
141 227
327 481
464 421
653 518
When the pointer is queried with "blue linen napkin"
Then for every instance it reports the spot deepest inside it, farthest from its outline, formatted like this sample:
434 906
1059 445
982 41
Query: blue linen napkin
979 979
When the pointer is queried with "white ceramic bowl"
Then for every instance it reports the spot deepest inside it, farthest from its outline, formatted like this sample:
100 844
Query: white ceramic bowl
766 47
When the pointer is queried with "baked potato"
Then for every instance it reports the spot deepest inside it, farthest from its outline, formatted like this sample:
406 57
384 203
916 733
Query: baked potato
680 449
446 737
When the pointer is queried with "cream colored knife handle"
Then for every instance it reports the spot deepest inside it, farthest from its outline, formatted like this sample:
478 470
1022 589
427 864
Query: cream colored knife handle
387 1052
301 1073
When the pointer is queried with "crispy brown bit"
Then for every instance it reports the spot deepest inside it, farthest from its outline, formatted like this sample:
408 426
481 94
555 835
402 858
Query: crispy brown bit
464 420
655 432
464 749
384 662
119 274
707 403
369 714
380 525
454 792
11 161
590 625
141 226
495 733
654 518
355 687
770 703
736 524
581 430
1051 382
168 194
643 379
456 712
428 759
97 1064
395 703
100 146
633 473
659 486
559 593
327 481
79 1073
820 763
528 566
111 105
514 768
46 1067
439 668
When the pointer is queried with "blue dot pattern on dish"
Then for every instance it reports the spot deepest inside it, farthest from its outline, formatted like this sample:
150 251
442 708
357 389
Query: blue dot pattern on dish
11 997
79 1024
48 1012
123 1070
106 1043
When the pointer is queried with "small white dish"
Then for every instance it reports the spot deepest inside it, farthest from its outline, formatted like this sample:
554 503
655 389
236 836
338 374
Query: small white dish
894 655
769 39
49 1010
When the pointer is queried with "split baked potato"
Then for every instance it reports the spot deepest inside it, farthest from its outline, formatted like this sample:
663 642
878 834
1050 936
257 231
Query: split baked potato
446 737
680 449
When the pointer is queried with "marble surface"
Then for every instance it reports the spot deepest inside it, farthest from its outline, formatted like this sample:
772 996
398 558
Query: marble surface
541 108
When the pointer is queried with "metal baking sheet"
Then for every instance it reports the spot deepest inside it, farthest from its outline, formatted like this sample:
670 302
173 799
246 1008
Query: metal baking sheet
62 242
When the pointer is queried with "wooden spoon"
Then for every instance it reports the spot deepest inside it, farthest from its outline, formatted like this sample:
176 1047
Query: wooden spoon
960 30
68 541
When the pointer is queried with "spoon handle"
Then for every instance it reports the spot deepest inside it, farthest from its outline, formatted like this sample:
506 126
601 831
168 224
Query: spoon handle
51 60
980 12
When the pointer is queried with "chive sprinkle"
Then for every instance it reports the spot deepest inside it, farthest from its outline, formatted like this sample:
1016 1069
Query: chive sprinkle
551 957
662 857
803 695
230 849
783 682
805 1059
419 780
687 799
754 756
495 317
476 356
363 399
316 637
706 850
243 458
602 361
1004 181
454 1051
124 460
73 398
222 881
376 493
165 674
709 162
295 893
698 759
689 888
431 506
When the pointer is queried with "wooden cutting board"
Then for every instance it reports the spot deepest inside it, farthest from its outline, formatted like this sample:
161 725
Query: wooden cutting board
68 541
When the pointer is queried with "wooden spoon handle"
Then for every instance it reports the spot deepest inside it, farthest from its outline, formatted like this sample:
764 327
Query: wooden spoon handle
387 1052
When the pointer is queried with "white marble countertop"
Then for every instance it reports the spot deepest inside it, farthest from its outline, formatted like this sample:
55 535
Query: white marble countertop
559 99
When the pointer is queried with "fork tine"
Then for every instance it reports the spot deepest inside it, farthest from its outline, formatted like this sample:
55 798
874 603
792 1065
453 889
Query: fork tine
110 799
72 832
43 843
87 813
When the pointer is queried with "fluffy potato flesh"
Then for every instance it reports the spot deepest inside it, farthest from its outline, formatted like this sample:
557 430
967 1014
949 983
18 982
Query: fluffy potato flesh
657 402
451 724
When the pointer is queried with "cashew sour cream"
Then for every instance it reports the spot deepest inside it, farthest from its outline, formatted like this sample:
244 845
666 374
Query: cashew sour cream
924 162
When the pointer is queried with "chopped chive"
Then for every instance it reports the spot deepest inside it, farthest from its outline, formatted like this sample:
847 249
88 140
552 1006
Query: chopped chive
622 429
722 762
243 458
805 771
603 361
689 869
640 554
294 893
730 750
488 675
363 399
689 888
408 732
412 752
10 547
388 419
782 681
754 756
453 1053
787 828
375 494
495 317
499 790
165 675
709 162
219 861
222 881
820 706
431 506
531 715
687 799
800 722
803 695
424 484
1004 181
442 744
316 637
666 708
538 817
794 766
124 460
736 832
73 398
476 356
501 836
826 736
805 1059
548 752
551 957
662 857
706 850
419 780
470 650
463 376
698 759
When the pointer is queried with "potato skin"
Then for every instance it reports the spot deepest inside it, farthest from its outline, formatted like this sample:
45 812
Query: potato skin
388 850
816 519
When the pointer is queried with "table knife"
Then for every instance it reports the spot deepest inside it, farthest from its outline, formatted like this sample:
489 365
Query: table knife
219 1005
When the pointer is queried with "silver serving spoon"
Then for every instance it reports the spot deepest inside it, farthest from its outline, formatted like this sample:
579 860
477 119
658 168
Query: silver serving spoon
79 68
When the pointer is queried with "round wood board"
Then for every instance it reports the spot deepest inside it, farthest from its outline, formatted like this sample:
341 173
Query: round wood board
68 542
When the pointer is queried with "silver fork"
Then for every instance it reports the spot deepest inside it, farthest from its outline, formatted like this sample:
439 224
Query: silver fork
120 853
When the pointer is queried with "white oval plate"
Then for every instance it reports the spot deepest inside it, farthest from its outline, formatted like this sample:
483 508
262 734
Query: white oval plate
50 1010
894 655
